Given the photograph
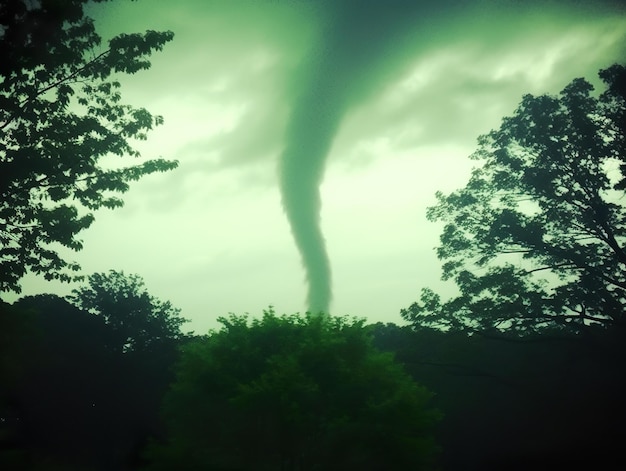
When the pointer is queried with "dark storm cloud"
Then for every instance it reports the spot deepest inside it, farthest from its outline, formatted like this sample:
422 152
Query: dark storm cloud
447 90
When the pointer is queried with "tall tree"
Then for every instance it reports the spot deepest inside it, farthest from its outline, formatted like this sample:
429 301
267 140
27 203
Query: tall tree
137 319
60 114
536 239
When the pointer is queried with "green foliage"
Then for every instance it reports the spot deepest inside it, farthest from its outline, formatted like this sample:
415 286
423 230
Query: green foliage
293 392
536 237
138 320
60 114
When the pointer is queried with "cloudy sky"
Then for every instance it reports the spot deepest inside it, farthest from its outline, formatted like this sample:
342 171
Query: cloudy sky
313 134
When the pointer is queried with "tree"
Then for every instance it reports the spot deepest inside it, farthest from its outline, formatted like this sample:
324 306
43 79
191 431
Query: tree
536 238
293 392
64 399
138 320
60 114
68 400
526 403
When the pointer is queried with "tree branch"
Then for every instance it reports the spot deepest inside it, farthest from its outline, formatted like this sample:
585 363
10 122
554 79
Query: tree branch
47 88
70 76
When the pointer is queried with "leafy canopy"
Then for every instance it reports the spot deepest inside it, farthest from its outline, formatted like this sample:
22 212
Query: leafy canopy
536 239
137 320
61 112
293 392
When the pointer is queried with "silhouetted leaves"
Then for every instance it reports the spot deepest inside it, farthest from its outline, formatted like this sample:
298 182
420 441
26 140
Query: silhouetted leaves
536 238
60 114
137 319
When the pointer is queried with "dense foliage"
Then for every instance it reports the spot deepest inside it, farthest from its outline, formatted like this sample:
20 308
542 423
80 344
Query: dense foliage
293 392
61 113
536 239
67 399
520 402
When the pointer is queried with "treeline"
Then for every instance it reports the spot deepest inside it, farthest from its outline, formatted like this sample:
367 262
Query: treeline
520 402
302 392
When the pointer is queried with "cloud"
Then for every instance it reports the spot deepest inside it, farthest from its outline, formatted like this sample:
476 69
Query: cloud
455 93
226 84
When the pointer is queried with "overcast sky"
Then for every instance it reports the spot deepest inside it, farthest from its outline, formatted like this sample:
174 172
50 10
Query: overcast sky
253 93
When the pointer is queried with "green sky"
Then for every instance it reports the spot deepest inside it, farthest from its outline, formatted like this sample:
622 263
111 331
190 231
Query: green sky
334 122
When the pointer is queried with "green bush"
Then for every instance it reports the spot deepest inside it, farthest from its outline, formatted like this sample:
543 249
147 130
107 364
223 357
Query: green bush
293 392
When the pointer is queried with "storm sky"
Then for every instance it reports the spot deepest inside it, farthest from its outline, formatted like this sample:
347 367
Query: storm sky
311 137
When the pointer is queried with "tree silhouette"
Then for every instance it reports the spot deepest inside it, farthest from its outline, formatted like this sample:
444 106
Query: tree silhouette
520 401
68 400
536 238
60 114
293 392
64 392
138 320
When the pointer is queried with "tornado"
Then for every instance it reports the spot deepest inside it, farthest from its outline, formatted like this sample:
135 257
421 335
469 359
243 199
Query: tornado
342 68
310 132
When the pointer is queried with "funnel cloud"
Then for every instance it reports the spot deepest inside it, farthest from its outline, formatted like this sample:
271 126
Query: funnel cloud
310 130
360 45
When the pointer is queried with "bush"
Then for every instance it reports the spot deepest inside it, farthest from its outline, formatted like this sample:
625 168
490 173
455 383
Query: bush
293 392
